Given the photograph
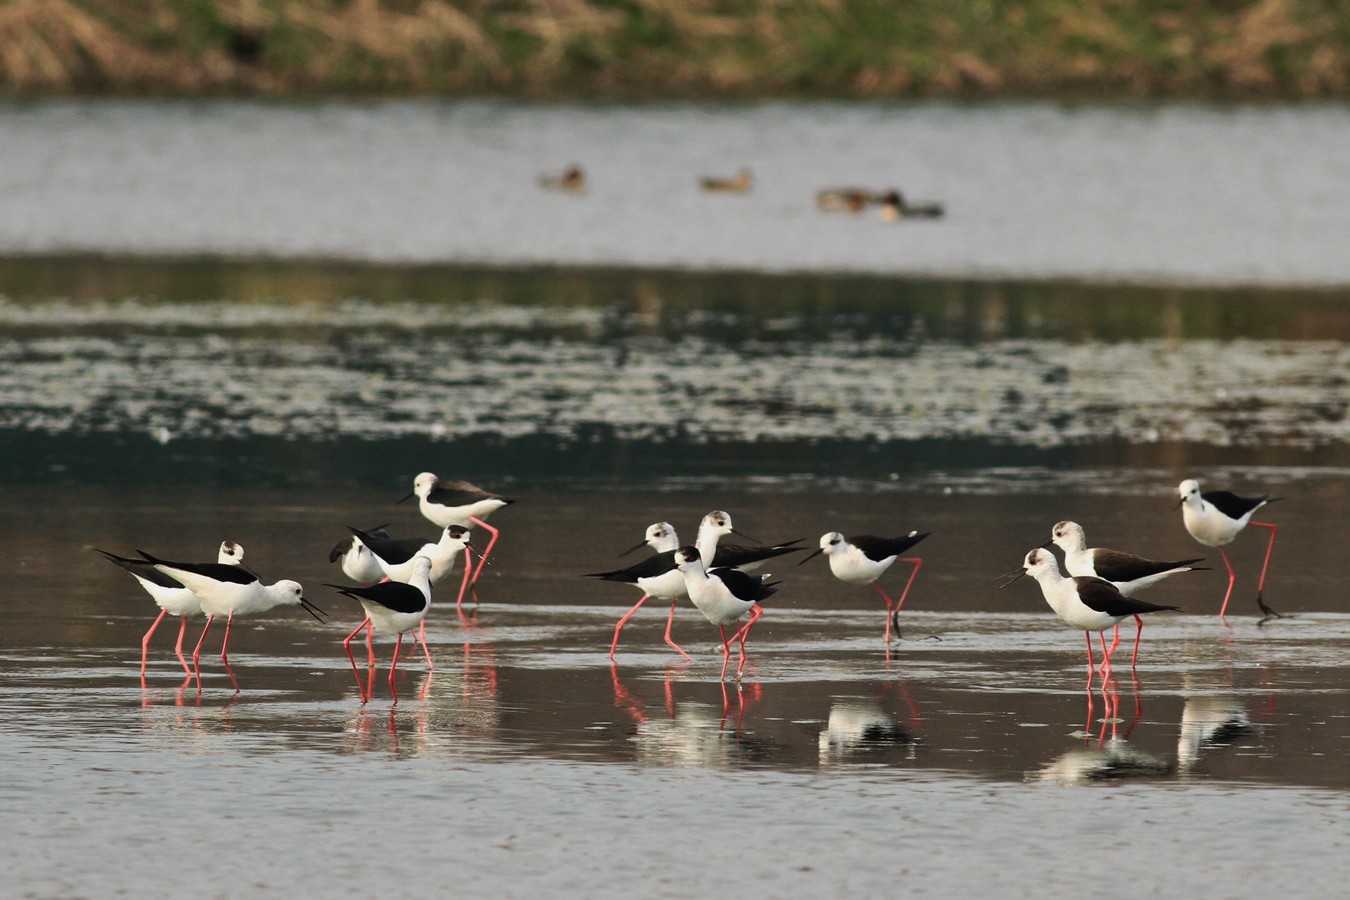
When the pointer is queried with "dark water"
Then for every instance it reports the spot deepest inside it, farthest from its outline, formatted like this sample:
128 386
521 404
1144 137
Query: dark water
170 406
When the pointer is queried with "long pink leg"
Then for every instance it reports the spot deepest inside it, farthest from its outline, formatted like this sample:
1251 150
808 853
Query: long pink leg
1092 672
1232 576
426 650
482 560
1139 633
225 651
670 621
145 641
745 632
1106 654
393 667
890 611
918 564
347 645
624 621
197 652
464 584
370 645
178 645
1261 585
726 651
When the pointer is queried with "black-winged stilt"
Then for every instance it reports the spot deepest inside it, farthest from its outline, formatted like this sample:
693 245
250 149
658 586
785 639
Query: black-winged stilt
169 594
358 563
1214 518
393 606
226 590
445 502
1129 573
863 558
1089 604
723 596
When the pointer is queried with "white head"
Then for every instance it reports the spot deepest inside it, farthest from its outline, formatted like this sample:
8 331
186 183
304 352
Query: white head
1068 536
231 554
659 533
718 521
421 567
832 542
1040 562
423 484
1189 491
687 558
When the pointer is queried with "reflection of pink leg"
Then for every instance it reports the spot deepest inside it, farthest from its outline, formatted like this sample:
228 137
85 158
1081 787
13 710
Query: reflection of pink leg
670 621
1232 576
1261 585
347 645
197 652
624 621
482 560
145 641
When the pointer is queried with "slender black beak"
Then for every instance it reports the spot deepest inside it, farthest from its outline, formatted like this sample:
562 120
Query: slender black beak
632 548
1011 576
1046 546
312 609
812 555
1180 500
744 535
409 497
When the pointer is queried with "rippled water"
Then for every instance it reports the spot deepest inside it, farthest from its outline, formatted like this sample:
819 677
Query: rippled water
1161 193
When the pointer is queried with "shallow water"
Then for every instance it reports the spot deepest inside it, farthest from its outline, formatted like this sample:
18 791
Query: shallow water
1235 195
170 405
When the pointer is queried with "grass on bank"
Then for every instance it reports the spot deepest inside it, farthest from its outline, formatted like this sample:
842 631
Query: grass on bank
677 48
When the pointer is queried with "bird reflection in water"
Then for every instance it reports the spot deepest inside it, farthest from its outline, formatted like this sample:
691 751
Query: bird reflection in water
1209 722
1111 756
858 730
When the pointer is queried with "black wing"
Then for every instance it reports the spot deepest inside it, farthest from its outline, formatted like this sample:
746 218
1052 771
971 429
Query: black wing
1103 597
140 567
393 551
1113 565
878 548
732 555
1231 505
461 493
392 595
743 586
653 566
216 571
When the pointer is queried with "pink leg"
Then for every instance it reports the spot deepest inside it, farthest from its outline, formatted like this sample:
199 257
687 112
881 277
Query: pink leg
890 611
1092 672
726 651
178 646
425 649
464 583
482 560
225 652
1106 654
745 632
1261 585
196 653
370 645
145 641
393 668
1139 633
347 645
1232 576
670 621
918 564
624 621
